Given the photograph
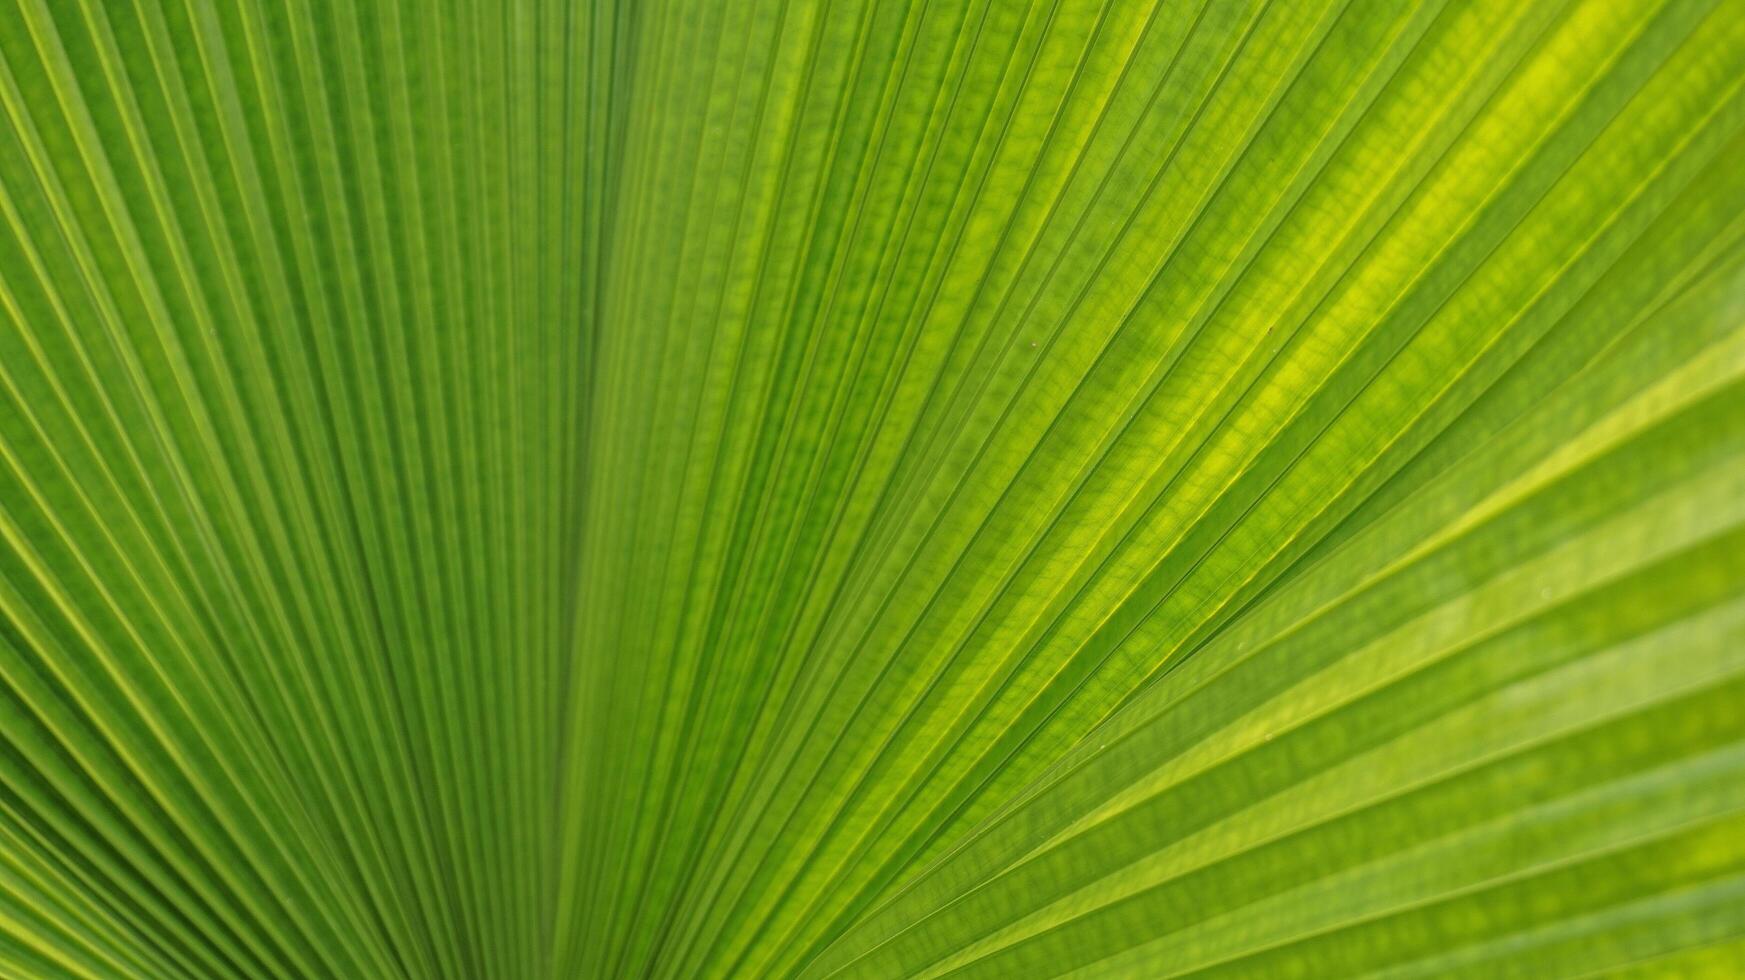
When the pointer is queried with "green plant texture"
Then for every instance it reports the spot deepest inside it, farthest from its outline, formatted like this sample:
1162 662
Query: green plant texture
838 489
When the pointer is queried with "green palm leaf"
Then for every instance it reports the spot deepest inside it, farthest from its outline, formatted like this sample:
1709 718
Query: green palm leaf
851 488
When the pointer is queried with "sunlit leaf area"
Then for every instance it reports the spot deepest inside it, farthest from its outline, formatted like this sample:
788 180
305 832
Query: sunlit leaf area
838 489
